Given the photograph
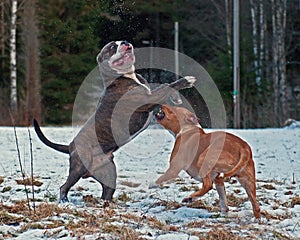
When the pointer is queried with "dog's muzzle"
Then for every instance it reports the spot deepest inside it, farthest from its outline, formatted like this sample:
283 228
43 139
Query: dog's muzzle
158 113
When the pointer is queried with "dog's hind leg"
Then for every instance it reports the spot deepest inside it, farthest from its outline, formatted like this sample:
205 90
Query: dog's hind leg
247 180
104 171
207 185
107 192
219 182
76 171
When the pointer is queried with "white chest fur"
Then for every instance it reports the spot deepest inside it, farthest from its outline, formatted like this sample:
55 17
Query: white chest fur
133 76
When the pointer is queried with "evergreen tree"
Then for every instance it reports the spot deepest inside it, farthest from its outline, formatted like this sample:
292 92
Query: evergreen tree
68 53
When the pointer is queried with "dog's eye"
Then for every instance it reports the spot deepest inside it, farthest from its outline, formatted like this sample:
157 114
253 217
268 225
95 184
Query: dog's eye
113 47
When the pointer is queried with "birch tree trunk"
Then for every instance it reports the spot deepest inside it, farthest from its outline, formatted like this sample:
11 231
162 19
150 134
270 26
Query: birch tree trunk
13 60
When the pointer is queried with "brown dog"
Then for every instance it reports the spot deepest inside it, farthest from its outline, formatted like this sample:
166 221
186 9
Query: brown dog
208 157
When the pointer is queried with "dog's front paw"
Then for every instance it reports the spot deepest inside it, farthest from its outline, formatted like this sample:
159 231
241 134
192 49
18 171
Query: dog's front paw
153 185
182 83
64 200
191 80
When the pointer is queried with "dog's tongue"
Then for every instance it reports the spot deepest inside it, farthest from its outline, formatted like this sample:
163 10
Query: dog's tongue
127 56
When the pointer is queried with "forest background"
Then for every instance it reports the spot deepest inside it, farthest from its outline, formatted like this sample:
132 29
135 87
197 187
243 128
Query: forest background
47 48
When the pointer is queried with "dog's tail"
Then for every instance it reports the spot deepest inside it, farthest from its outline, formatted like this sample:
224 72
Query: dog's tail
58 147
245 157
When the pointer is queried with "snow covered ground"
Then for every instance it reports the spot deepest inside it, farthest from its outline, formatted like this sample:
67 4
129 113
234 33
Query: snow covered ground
139 212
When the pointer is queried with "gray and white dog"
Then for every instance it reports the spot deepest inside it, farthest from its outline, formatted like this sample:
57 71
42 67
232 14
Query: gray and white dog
123 112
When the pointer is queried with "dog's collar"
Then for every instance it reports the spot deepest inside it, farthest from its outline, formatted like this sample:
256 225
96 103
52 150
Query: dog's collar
187 129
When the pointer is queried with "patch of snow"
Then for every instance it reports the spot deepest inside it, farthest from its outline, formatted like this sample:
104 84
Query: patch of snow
276 154
177 236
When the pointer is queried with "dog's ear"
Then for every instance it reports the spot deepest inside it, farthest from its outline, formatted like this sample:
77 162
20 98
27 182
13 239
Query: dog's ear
193 118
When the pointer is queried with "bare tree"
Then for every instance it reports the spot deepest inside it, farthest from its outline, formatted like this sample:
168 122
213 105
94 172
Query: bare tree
253 9
262 35
281 15
279 59
258 34
2 42
228 12
32 64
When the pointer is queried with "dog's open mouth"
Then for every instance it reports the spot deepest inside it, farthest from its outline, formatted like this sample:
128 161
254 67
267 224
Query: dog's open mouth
159 114
126 56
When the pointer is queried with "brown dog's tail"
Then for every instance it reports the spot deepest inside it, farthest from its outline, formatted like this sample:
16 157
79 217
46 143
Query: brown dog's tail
58 147
243 161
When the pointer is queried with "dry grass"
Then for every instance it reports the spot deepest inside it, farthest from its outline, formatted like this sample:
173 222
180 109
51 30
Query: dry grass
9 219
196 224
80 223
200 204
130 184
218 232
90 201
295 201
6 189
268 187
29 182
1 180
112 219
170 205
280 217
124 197
222 234
233 201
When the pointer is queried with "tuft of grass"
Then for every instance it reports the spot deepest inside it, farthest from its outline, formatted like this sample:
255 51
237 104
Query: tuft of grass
233 200
169 205
90 201
276 216
1 179
8 219
124 197
6 189
222 234
295 201
51 197
184 189
268 187
130 184
154 223
202 205
278 235
29 182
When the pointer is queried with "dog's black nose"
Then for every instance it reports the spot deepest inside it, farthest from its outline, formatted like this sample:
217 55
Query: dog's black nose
158 113
125 43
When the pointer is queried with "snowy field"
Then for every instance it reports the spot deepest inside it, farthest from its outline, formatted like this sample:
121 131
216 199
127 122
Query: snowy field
139 212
